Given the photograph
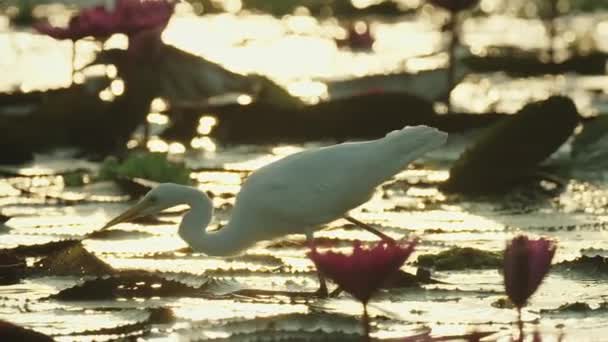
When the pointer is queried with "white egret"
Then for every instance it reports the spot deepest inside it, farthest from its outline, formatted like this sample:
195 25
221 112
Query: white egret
294 195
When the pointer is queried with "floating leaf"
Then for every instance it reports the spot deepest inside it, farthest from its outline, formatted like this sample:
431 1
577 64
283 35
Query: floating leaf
585 265
74 260
150 166
12 268
11 332
460 258
590 145
130 285
42 249
315 326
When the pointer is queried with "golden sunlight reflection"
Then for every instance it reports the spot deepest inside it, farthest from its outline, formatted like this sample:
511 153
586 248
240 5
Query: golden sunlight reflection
78 78
286 150
244 99
136 246
111 71
364 3
310 91
117 87
155 144
106 95
198 309
176 148
159 105
196 264
206 124
219 177
203 143
157 118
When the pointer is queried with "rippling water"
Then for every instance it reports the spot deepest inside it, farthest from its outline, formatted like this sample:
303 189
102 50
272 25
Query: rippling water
298 51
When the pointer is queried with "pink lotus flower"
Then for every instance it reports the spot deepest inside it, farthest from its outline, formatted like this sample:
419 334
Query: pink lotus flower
454 5
96 22
136 15
365 270
129 17
526 263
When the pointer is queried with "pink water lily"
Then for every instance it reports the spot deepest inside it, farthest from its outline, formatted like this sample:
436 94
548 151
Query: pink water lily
363 271
136 16
96 22
129 17
526 263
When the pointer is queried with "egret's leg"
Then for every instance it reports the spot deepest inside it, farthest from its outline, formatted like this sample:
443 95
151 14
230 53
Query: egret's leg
322 291
369 228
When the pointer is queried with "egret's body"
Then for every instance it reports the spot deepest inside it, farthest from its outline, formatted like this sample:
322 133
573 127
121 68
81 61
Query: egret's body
294 195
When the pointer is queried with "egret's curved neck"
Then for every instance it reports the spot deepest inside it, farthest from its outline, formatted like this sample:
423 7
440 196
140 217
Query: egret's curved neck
223 242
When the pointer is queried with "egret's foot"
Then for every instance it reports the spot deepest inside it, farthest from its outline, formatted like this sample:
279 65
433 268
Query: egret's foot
370 229
322 292
335 293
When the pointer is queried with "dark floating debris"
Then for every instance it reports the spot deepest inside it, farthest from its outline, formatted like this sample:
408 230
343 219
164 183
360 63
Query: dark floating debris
511 150
12 332
73 260
460 258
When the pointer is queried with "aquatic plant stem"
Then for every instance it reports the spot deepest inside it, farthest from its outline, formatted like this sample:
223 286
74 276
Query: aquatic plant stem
520 325
452 26
73 62
365 323
552 29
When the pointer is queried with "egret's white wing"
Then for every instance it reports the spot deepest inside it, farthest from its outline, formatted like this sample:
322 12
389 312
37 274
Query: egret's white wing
304 190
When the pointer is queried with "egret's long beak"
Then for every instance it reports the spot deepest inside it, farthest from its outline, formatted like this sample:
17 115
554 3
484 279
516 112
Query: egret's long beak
131 213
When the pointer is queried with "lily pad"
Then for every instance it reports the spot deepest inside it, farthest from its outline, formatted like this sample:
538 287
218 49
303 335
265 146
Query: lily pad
150 166
74 260
589 146
585 265
12 268
513 148
12 332
129 285
579 308
41 249
459 258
